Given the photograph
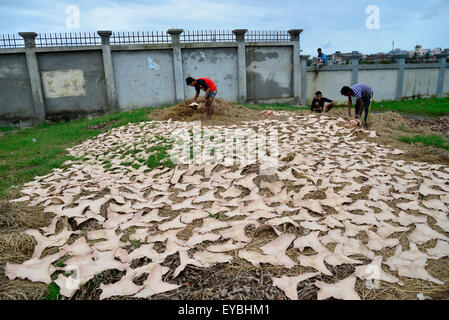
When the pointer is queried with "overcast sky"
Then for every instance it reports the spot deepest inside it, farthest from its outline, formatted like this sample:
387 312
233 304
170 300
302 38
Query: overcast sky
332 25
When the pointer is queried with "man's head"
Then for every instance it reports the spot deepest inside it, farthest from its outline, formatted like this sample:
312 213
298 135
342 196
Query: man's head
319 51
346 91
318 95
190 81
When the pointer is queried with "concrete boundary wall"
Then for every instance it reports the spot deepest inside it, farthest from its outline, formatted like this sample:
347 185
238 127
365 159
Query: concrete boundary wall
38 83
389 81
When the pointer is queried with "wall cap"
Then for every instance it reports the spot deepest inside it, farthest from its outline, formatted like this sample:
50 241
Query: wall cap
174 32
104 33
239 31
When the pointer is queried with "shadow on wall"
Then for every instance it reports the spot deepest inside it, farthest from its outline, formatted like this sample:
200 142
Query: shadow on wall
260 88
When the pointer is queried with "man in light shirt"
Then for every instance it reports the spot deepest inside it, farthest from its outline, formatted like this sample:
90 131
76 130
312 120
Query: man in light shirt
363 93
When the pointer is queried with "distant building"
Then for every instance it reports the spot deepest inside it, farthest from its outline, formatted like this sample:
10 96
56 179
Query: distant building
436 51
417 55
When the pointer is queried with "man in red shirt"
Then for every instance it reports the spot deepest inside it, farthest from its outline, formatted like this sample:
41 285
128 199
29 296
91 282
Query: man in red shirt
209 87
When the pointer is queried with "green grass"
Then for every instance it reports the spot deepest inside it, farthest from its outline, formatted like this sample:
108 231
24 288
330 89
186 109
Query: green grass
30 152
433 107
432 140
52 291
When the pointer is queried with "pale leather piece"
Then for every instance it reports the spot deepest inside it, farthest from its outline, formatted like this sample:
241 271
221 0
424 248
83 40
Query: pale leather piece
337 259
225 247
145 250
440 250
236 233
49 241
282 220
311 204
154 284
208 196
192 215
289 284
232 192
198 238
359 205
352 247
211 258
373 272
279 245
312 240
343 289
258 205
405 219
274 187
412 254
303 215
316 261
256 258
435 204
423 233
334 236
79 247
89 265
426 189
124 287
376 242
247 182
210 224
385 230
186 260
35 269
313 225
411 268
332 222
172 224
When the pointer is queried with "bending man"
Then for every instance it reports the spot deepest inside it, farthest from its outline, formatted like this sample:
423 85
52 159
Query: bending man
363 93
209 87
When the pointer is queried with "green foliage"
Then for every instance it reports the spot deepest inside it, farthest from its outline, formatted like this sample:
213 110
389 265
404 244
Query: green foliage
53 291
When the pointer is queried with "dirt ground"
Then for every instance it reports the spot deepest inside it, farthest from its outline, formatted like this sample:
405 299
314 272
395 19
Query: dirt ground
225 113
239 279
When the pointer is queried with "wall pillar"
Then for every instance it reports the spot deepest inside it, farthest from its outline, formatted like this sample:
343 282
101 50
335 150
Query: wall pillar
241 62
440 84
355 66
177 63
400 57
35 76
111 96
303 60
295 38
